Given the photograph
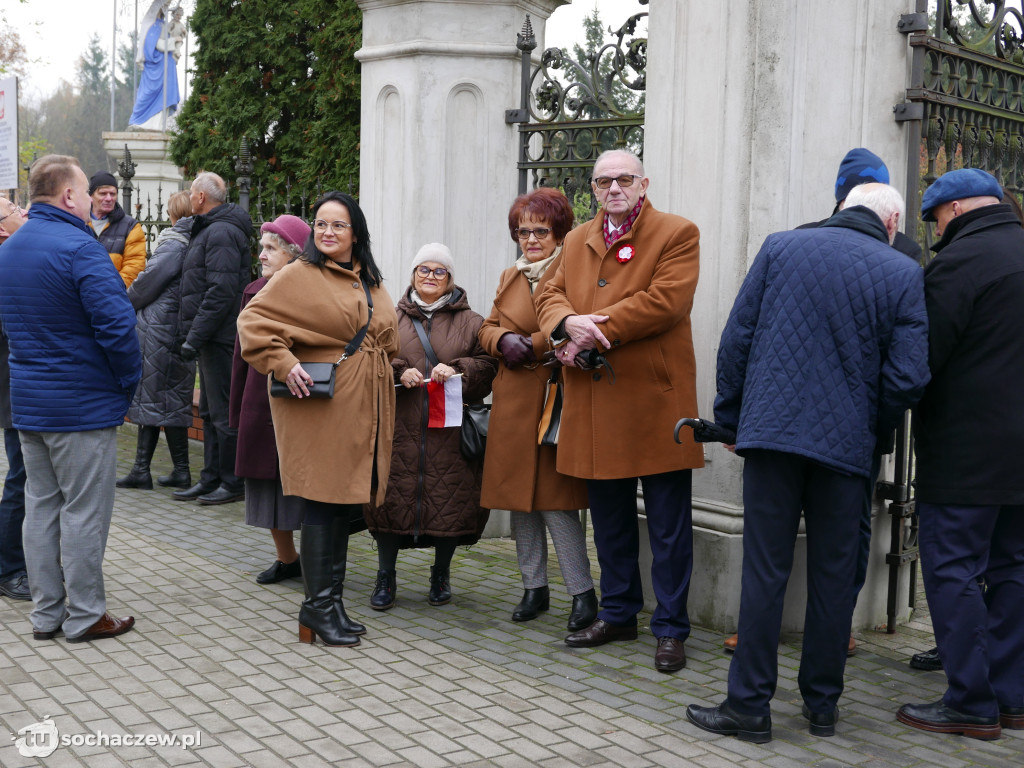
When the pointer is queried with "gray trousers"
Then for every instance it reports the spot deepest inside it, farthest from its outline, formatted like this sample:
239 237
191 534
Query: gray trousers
570 546
69 499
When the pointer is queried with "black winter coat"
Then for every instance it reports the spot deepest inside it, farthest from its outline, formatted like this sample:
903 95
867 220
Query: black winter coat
164 395
970 426
442 501
215 272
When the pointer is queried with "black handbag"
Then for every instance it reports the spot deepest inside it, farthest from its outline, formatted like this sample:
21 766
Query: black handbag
323 373
475 416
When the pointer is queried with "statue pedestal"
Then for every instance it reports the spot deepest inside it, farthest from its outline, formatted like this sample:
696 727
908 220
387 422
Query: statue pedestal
156 177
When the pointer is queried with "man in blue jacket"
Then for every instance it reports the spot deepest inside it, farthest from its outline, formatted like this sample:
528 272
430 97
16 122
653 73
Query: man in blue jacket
74 363
824 350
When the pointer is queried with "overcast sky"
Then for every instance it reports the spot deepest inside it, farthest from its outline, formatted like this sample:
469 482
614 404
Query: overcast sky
55 32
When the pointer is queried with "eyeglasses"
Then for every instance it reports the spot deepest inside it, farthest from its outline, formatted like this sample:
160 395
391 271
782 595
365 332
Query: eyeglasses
335 226
439 272
626 180
17 209
540 233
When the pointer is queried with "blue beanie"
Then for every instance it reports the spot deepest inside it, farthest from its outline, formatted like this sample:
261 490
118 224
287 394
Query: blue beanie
957 185
860 166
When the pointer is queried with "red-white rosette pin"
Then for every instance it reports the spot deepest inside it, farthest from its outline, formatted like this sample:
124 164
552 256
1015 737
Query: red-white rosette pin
625 253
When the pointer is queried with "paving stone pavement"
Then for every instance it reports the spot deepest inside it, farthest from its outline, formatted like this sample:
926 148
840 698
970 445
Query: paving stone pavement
215 656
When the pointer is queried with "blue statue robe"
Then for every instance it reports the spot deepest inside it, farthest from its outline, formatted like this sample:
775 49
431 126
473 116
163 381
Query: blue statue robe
150 100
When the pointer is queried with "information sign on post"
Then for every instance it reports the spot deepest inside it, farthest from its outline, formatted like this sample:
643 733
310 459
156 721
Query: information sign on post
8 133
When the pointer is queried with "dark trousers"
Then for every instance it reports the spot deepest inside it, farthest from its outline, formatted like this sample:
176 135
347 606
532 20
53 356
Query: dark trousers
864 535
219 439
613 511
776 487
12 509
979 630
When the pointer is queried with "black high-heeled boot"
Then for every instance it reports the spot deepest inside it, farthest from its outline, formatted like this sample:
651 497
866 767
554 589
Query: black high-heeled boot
139 476
534 601
339 533
317 617
584 610
177 443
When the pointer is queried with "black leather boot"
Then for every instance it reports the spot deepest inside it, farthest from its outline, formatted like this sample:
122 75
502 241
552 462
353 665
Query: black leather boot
339 533
584 610
384 590
534 601
139 476
440 587
177 443
317 617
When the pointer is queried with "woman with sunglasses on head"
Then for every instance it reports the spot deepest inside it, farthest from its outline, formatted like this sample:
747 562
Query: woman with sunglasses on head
433 497
333 450
519 474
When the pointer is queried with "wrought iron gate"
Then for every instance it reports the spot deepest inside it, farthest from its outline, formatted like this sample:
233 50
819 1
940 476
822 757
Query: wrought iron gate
965 103
571 111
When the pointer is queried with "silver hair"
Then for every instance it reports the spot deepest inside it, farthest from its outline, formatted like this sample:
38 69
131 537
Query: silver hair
608 154
883 199
212 186
291 249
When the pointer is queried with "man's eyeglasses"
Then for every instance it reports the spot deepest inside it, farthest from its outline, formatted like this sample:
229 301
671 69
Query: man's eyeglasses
439 272
335 226
16 210
540 233
626 180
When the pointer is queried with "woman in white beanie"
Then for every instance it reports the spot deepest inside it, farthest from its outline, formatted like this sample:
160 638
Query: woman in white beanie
433 495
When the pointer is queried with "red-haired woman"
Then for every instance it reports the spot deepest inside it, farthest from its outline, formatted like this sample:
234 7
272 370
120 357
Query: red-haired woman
519 474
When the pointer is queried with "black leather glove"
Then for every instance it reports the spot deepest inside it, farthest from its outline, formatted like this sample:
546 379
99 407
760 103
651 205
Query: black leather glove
516 349
188 353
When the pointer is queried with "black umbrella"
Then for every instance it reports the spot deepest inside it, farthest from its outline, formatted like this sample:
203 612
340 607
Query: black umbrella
705 431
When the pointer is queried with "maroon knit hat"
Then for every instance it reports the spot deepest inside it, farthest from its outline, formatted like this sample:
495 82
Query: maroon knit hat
289 228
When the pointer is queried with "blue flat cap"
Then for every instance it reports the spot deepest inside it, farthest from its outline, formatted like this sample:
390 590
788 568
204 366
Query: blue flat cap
859 166
957 185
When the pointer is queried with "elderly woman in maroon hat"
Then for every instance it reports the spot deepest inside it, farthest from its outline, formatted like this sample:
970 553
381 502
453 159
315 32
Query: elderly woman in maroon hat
266 506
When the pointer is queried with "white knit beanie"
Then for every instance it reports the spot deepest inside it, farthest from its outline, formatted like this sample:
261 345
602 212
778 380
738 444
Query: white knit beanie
436 252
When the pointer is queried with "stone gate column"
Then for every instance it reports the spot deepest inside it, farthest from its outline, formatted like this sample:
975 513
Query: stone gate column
437 160
750 108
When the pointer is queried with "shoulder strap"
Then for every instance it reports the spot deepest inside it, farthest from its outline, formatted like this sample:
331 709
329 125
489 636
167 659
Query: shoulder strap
425 341
353 346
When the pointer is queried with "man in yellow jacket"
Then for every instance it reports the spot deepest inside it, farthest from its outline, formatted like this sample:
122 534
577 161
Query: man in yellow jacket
119 233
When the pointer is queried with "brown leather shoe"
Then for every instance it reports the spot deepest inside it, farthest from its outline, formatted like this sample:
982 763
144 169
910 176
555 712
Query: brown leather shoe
730 643
599 633
37 635
670 656
1012 718
107 626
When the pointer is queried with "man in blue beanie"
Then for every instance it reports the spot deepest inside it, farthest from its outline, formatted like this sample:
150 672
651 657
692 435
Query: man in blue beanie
970 476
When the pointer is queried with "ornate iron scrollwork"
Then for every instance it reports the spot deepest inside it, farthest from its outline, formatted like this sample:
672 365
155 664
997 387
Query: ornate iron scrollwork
1001 34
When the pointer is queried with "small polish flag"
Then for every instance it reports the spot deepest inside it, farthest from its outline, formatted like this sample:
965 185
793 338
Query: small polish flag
445 402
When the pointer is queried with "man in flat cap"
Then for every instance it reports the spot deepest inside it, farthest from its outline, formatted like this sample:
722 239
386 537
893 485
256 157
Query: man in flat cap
970 470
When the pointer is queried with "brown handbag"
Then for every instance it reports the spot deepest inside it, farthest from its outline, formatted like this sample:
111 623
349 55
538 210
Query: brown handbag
551 414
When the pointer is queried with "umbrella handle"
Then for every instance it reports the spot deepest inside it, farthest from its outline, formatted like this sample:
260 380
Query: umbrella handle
693 423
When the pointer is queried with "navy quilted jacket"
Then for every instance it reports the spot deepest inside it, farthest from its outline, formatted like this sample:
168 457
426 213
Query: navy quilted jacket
826 345
74 353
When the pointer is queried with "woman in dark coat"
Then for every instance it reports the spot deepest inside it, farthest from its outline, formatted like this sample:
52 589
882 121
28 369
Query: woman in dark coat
266 506
433 496
519 474
164 395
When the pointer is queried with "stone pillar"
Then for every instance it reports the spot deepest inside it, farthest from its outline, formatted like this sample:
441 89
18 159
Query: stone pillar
751 106
156 176
437 160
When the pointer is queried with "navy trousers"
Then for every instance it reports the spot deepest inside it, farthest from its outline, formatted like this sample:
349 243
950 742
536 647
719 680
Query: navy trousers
979 630
219 438
12 510
776 487
613 511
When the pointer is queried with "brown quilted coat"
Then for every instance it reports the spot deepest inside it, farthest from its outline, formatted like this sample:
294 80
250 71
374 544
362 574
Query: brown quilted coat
519 474
442 500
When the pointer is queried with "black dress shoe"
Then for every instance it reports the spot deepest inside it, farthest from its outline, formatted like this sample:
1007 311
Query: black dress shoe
584 610
670 656
222 495
534 601
599 633
1012 718
938 718
279 572
929 661
723 721
822 723
16 587
37 635
197 490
